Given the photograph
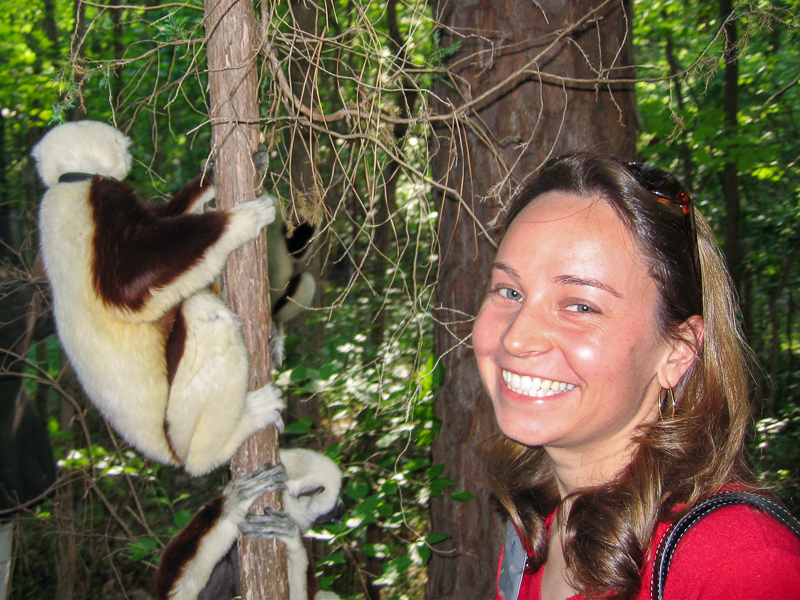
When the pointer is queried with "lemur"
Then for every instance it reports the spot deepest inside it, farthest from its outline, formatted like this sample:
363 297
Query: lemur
158 354
200 562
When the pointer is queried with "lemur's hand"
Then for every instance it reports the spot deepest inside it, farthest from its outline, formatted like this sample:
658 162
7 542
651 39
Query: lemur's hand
261 158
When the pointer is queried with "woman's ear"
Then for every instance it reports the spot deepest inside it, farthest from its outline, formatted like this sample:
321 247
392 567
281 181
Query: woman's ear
682 353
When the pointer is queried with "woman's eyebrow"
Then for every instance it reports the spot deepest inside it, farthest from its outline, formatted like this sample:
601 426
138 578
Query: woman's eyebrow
506 269
577 280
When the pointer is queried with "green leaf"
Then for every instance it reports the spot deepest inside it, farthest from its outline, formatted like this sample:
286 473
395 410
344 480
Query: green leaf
392 570
417 464
439 484
435 471
356 489
141 549
329 370
299 374
300 427
376 550
182 517
462 496
419 553
337 558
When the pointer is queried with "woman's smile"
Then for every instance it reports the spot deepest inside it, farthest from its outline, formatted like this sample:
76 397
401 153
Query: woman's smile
535 387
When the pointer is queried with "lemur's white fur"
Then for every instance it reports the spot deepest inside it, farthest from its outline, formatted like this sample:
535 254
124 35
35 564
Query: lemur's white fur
312 485
83 147
118 353
292 288
212 378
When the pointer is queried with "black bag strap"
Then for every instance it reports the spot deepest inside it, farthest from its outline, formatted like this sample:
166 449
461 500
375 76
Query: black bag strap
668 544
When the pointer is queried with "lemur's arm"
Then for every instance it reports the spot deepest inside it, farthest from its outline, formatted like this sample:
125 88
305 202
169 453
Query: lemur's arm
144 263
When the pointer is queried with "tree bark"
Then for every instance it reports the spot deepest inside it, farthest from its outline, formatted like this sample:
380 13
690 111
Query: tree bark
677 84
233 88
79 50
303 176
481 159
730 177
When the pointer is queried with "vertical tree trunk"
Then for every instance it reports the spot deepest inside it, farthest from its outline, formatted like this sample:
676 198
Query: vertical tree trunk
730 178
770 407
303 78
67 573
79 50
789 341
233 87
674 71
483 157
117 84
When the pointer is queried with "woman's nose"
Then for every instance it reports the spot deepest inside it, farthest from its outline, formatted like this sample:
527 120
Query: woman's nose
525 333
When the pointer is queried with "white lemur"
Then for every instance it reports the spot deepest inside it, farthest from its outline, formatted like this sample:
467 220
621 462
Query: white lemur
292 287
203 549
159 355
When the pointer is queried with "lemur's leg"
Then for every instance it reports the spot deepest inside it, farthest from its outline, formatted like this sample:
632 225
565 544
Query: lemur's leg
189 558
279 525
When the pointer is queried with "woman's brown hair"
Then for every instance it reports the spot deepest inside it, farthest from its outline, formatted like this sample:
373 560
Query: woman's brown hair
695 448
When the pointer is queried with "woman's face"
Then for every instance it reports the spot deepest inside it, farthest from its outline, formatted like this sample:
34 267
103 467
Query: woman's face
567 341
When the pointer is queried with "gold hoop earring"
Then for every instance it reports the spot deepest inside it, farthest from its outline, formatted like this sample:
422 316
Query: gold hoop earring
668 392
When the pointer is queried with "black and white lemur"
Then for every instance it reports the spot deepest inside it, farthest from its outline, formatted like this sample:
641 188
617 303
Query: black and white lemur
202 550
158 354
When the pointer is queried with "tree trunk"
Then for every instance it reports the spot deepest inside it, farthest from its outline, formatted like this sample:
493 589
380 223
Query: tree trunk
79 43
117 84
481 159
233 89
303 176
730 178
675 69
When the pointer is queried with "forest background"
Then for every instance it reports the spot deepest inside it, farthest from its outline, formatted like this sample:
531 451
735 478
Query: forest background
378 119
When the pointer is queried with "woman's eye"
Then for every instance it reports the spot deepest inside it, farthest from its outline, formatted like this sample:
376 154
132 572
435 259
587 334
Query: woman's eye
579 307
509 294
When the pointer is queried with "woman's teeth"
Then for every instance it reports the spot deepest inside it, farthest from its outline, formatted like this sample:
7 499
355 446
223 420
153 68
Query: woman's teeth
534 386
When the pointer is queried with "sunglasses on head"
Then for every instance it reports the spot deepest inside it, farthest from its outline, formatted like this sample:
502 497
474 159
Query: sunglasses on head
668 189
665 186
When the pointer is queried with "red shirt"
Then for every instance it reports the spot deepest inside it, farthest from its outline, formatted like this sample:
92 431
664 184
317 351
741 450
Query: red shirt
735 553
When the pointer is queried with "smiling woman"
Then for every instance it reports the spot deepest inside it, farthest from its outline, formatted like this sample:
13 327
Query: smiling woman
573 306
608 345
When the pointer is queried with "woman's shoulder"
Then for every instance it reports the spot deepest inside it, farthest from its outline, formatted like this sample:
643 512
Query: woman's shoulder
736 552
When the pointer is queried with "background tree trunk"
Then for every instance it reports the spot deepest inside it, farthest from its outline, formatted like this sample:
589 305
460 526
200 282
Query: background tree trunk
482 158
305 189
233 86
730 175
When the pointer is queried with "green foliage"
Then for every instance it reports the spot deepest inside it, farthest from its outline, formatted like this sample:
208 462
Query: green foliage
380 414
367 354
682 102
777 452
